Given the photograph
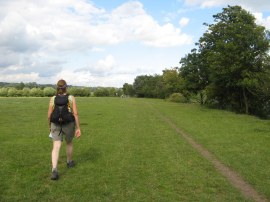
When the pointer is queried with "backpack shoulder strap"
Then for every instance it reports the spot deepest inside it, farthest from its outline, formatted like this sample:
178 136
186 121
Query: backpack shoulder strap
61 100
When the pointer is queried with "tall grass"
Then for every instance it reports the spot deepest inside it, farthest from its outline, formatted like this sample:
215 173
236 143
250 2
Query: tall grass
127 153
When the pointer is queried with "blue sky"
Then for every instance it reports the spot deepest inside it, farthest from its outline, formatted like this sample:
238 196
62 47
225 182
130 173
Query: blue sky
103 42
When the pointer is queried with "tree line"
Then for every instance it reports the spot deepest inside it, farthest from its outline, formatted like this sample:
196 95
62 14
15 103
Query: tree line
36 90
229 67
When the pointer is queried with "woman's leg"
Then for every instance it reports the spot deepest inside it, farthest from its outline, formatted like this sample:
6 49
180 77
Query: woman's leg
55 153
69 130
69 151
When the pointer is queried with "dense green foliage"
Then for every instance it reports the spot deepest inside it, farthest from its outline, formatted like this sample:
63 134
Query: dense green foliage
195 74
128 89
148 86
235 50
232 63
128 153
157 86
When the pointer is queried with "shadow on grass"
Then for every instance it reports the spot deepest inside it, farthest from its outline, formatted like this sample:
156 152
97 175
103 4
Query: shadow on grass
83 158
92 155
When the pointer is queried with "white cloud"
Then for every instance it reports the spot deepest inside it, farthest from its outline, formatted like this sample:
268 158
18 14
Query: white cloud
104 66
183 22
74 78
262 5
165 36
130 22
8 58
34 33
262 21
86 78
21 77
255 7
97 49
108 63
16 35
112 81
76 24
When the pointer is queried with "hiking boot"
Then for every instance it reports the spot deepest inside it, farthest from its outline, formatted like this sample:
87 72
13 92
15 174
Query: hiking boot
70 164
54 175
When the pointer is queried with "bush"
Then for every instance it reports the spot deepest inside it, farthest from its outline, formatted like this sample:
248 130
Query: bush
102 92
36 92
3 92
177 97
13 92
25 91
49 91
80 92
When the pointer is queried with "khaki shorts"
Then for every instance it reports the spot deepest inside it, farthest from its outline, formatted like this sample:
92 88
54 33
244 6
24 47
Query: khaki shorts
68 130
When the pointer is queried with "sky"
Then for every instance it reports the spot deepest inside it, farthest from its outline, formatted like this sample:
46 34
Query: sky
103 42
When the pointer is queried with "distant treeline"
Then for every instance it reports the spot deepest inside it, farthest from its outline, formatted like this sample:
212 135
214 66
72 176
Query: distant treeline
44 90
21 85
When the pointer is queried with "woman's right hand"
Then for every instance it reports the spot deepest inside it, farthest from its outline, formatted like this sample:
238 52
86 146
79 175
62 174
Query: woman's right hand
78 133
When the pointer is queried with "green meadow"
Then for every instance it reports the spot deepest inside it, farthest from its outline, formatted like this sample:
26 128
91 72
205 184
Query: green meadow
127 152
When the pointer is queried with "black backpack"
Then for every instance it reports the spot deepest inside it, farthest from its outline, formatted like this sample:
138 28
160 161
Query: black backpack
61 114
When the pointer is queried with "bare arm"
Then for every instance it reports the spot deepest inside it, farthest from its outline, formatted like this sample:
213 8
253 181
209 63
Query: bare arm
76 115
50 109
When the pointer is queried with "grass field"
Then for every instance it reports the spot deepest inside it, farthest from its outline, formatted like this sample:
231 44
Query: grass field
128 153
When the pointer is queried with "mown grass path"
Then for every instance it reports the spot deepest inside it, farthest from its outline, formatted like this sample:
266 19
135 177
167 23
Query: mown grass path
127 152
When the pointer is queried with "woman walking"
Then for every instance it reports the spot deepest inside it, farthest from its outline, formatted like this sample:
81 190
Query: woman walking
63 123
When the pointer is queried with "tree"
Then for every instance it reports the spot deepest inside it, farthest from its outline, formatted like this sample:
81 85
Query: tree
160 90
148 86
236 51
19 86
119 92
195 74
140 84
172 81
31 85
128 89
112 92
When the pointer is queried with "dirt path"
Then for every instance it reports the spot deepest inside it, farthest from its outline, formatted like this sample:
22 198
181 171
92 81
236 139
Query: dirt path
234 178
